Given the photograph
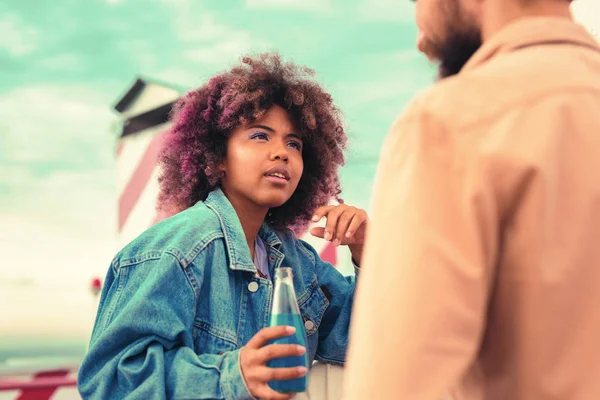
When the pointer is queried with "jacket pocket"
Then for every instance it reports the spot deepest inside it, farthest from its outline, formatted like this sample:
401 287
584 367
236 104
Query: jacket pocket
313 305
211 340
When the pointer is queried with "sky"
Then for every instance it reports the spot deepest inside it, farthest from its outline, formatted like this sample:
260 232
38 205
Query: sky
63 65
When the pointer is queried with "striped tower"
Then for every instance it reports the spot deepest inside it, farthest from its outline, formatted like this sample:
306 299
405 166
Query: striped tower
144 110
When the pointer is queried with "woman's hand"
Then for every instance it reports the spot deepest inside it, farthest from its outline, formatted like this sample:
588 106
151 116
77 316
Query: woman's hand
346 225
255 355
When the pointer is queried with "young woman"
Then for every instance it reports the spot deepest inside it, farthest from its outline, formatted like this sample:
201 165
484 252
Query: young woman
252 157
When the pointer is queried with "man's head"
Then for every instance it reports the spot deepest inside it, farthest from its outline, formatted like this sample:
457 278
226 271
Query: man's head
451 31
448 33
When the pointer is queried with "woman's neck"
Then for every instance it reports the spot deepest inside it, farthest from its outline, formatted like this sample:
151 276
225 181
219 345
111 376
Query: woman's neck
251 217
251 226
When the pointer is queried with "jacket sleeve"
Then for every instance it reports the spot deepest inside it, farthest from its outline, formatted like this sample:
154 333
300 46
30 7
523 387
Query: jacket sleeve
142 344
339 290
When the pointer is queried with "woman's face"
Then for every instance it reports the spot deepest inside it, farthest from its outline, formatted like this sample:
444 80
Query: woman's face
264 164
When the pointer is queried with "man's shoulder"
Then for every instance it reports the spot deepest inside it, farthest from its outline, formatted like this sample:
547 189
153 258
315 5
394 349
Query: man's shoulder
463 100
180 235
507 83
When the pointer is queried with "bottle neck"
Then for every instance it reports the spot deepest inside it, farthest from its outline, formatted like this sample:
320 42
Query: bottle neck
284 296
283 273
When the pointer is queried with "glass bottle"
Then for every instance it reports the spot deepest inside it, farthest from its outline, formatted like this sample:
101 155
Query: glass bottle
285 311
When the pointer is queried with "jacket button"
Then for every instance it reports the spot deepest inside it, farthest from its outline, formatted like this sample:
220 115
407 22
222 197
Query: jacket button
309 325
253 286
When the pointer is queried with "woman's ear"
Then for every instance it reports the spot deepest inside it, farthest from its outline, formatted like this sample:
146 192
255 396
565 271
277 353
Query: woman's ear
214 174
220 169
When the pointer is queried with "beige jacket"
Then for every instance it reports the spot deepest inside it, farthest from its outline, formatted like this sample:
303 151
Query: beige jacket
481 276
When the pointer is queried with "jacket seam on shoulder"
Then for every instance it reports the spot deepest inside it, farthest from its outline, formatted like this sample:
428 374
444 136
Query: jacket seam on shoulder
205 242
131 261
300 245
121 276
190 278
529 101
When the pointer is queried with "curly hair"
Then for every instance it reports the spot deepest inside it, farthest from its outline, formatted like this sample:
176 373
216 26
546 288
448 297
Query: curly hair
205 117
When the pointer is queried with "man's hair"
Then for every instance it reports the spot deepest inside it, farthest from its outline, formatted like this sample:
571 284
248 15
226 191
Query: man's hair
204 118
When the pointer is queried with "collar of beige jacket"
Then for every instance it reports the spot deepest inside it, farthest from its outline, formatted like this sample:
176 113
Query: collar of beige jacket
532 31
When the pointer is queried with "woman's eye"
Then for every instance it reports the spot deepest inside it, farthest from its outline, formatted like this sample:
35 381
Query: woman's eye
259 135
295 145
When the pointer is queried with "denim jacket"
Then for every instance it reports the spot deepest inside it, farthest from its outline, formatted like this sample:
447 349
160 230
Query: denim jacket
180 301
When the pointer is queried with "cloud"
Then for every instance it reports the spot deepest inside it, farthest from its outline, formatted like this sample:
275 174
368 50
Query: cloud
373 102
62 231
193 23
409 74
210 41
227 50
203 27
182 76
386 10
18 38
310 6
399 58
58 206
62 198
142 50
58 169
176 3
207 40
54 124
62 62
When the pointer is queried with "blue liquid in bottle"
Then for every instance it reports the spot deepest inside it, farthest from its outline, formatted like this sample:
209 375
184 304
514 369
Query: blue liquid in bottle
285 312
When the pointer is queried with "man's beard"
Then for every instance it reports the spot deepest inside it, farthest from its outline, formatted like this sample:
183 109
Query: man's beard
454 52
462 40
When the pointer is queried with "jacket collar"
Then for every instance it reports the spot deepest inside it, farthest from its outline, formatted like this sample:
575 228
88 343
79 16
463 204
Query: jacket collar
532 31
236 247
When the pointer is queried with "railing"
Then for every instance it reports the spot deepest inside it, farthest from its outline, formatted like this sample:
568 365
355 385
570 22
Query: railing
36 383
